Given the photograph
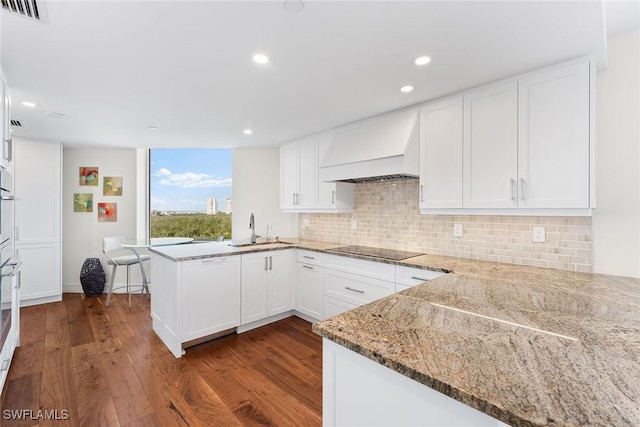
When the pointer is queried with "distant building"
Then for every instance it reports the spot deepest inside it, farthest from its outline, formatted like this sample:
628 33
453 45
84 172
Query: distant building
228 208
212 206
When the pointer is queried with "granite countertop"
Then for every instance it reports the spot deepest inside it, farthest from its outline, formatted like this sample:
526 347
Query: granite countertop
528 346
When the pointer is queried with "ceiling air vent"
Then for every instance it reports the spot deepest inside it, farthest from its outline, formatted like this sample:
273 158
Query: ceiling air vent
16 123
30 9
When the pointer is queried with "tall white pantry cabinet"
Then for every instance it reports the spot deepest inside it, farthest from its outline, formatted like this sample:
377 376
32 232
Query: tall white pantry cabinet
38 219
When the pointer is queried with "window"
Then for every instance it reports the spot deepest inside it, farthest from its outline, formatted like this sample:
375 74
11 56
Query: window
190 193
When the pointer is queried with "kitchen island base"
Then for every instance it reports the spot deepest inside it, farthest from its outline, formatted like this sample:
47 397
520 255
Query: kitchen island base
360 392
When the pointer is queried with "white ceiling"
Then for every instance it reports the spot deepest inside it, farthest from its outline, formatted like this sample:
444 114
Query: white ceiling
118 67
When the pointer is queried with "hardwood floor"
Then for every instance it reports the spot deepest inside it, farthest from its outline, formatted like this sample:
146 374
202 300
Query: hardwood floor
106 367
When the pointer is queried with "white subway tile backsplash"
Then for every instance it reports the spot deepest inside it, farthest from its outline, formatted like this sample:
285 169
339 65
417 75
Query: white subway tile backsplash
388 216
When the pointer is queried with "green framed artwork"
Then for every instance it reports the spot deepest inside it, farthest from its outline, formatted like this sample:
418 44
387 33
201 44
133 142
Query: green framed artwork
83 202
112 186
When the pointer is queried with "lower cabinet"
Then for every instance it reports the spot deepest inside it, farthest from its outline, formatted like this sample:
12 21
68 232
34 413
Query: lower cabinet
41 272
194 299
309 289
266 284
212 296
10 308
357 391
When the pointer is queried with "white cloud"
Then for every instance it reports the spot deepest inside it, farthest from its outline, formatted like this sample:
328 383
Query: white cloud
191 180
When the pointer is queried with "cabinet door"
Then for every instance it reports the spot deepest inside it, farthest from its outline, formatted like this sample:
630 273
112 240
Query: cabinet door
37 180
279 281
441 154
41 273
553 138
288 175
326 191
309 290
5 120
255 268
306 173
491 147
211 296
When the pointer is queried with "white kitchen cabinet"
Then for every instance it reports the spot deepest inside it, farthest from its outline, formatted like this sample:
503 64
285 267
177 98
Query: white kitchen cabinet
309 284
408 277
194 299
10 285
491 146
41 272
211 292
297 179
357 391
38 218
553 137
330 196
5 119
441 154
266 285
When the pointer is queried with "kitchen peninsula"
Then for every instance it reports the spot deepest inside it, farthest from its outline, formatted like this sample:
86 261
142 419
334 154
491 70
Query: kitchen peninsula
527 346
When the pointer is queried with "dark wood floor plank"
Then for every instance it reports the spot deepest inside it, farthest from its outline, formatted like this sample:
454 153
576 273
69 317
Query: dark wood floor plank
107 367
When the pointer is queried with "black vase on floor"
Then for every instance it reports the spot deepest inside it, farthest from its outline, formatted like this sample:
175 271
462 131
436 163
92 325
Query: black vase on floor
92 277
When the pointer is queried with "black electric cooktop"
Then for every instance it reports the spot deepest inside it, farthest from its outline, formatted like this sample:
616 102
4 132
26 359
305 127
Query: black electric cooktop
391 254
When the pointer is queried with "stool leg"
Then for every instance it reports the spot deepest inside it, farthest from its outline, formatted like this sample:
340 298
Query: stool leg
113 276
128 292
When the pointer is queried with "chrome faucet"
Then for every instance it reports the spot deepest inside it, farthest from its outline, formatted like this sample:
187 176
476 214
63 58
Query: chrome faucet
252 226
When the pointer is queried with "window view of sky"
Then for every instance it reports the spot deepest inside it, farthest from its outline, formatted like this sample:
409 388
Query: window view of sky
183 179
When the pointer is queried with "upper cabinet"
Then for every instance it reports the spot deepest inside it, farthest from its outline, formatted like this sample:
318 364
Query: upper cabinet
300 187
526 146
5 119
440 154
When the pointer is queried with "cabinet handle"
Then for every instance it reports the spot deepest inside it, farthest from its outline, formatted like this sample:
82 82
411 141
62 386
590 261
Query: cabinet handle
307 266
354 290
270 263
523 184
265 264
8 198
294 198
207 261
513 189
422 193
333 197
308 257
5 365
420 278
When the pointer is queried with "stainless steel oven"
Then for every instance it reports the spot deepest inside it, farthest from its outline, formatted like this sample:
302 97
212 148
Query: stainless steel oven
6 207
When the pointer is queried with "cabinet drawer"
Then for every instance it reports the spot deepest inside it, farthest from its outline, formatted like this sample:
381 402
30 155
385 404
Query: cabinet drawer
310 257
376 270
333 307
354 288
410 276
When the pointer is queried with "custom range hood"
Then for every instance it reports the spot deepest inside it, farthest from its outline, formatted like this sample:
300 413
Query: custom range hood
381 148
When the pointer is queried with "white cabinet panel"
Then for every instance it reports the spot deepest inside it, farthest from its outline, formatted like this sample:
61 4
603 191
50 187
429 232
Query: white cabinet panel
5 121
491 146
309 289
211 296
38 189
306 177
41 271
266 284
410 276
441 154
288 175
553 138
330 196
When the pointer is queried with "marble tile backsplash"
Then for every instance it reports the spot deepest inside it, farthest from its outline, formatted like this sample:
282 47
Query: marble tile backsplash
387 215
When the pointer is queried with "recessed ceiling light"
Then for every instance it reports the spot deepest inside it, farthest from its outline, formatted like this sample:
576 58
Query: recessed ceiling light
153 128
260 58
406 89
422 60
28 104
247 131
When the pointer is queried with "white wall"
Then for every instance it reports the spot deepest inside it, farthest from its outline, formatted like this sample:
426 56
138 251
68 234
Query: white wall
82 233
616 220
256 189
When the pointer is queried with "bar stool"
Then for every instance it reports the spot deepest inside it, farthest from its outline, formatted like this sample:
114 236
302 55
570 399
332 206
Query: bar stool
110 245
